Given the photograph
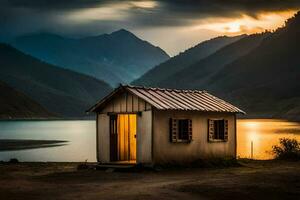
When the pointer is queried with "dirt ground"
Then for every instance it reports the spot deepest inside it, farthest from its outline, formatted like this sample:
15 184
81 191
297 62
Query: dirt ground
252 180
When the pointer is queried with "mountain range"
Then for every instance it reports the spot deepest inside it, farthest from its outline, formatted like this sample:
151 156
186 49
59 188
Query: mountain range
119 57
259 73
202 70
62 92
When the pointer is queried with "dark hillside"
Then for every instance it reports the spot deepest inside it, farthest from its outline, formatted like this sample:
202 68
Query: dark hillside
183 60
14 104
267 79
196 75
259 73
60 91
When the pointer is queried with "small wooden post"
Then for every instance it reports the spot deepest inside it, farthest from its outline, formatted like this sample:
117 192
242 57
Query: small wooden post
251 149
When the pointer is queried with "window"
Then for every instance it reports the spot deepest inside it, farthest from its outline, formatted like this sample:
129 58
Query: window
180 130
183 132
217 130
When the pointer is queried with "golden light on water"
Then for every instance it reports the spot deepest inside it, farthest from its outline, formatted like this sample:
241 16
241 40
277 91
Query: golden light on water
264 134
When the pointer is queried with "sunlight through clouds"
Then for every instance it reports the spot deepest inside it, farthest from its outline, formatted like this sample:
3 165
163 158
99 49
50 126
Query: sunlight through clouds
246 24
162 22
144 4
103 12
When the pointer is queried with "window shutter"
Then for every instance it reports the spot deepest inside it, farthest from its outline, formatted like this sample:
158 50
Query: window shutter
211 130
190 130
173 130
226 130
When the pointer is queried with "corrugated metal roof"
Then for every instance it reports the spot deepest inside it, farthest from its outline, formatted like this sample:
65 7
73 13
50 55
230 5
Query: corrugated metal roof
174 99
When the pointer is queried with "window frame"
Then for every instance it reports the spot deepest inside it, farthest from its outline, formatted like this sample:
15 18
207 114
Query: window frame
176 127
225 130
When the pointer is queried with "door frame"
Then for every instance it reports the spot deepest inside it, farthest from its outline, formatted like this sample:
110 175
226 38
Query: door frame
113 137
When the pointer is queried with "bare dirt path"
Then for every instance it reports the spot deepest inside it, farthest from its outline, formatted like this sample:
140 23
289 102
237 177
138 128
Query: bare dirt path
253 180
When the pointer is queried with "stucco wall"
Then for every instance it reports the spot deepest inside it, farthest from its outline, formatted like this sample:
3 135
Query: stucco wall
103 138
144 137
199 147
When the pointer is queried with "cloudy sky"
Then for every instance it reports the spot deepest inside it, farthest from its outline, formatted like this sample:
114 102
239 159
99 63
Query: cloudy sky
174 25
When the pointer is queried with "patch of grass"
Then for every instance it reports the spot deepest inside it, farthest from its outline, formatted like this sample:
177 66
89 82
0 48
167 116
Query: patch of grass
288 149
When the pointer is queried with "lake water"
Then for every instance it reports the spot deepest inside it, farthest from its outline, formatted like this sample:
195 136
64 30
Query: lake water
263 134
81 136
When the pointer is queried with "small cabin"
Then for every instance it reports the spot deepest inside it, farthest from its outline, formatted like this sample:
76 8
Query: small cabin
162 126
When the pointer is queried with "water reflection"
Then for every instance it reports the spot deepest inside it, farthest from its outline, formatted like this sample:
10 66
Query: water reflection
80 134
264 134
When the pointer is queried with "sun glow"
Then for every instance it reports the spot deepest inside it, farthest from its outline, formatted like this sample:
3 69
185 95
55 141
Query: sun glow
253 128
246 24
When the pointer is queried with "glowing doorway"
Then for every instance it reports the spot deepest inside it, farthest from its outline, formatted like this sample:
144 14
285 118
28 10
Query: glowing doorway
123 137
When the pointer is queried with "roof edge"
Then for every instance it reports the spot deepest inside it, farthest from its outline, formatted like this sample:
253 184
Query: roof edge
164 89
104 99
127 87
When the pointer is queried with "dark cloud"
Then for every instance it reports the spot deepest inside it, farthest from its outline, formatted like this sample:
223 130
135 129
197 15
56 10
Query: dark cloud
177 5
54 4
178 12
23 16
227 6
185 7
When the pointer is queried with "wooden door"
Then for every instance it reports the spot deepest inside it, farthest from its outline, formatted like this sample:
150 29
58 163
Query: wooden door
126 137
123 137
132 120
